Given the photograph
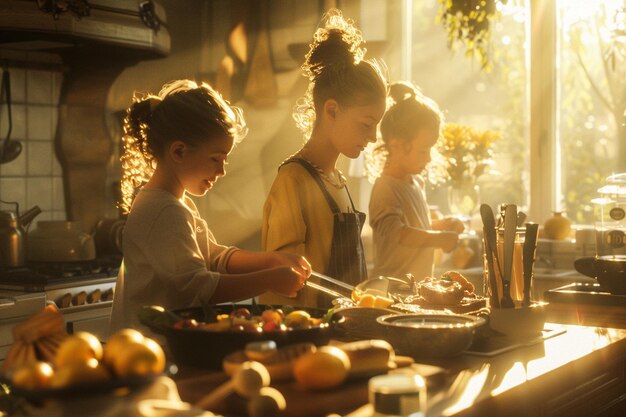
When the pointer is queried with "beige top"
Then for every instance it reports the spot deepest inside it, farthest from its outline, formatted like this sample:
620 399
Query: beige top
171 258
297 219
394 205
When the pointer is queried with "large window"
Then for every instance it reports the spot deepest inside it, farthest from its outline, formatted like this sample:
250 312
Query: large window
495 100
591 99
557 93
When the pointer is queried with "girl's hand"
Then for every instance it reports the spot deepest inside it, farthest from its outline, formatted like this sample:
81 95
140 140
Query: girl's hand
286 281
451 224
297 262
448 241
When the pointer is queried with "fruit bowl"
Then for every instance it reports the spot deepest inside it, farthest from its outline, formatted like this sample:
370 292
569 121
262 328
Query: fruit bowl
131 383
206 348
430 335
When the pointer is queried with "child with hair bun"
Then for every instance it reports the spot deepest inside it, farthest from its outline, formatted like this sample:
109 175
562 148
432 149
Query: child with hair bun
309 210
403 233
176 143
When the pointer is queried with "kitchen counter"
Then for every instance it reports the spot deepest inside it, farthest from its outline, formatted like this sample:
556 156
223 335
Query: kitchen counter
581 372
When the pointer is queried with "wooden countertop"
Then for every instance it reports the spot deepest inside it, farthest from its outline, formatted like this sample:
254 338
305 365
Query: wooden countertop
580 372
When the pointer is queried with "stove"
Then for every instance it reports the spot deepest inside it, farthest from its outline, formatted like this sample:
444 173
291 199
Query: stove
584 293
586 304
40 276
83 292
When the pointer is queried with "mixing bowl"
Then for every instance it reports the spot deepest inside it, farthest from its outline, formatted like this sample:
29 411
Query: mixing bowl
430 335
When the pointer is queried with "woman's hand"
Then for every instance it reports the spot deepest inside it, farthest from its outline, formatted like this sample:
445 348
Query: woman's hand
286 280
297 262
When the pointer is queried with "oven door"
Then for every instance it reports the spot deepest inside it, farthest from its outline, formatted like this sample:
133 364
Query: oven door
92 318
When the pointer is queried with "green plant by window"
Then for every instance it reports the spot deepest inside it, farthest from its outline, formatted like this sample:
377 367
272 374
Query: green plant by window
468 23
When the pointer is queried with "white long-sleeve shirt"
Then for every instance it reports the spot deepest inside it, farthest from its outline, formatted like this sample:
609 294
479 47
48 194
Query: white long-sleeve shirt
171 258
394 205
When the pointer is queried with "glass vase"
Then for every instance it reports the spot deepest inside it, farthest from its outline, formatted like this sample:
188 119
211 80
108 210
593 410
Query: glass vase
464 199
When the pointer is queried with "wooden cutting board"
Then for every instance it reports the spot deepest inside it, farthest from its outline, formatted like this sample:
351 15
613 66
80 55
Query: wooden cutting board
194 384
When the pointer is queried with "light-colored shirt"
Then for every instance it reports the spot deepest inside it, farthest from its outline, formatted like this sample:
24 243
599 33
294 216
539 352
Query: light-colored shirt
394 205
297 219
171 258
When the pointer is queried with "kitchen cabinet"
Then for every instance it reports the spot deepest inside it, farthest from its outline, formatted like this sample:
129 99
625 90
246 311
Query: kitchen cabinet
581 372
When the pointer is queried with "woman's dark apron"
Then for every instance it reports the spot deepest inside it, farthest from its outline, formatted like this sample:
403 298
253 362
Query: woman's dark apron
347 258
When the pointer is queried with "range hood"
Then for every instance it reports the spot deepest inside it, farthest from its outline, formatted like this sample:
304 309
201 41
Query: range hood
106 29
96 40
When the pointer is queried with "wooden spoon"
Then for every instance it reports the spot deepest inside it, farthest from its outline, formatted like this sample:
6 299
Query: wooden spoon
247 382
491 251
510 229
530 246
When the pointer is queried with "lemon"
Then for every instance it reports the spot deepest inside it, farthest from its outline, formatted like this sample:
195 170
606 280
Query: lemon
298 319
36 375
89 371
118 342
139 359
325 368
79 347
382 302
367 300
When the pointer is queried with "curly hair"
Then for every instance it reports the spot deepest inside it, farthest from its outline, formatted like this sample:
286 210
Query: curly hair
408 112
336 69
182 110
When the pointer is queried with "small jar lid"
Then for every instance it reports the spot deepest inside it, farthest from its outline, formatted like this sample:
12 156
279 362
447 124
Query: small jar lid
399 394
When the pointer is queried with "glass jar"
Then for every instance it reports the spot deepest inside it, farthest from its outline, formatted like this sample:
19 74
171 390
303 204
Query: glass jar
610 259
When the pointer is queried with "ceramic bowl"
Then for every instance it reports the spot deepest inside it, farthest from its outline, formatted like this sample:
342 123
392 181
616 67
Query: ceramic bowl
519 322
430 335
360 322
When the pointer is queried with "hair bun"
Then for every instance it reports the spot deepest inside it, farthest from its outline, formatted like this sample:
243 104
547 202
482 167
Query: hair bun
400 91
338 44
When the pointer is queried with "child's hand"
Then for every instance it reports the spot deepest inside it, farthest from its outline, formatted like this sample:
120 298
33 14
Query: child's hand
286 281
448 241
299 263
451 224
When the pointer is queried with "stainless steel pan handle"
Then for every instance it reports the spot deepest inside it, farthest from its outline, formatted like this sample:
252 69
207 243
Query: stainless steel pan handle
325 290
332 281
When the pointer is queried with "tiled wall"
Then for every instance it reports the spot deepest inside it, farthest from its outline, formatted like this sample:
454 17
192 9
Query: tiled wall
34 178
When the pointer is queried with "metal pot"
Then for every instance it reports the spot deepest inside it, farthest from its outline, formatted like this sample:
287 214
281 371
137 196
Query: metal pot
13 236
60 241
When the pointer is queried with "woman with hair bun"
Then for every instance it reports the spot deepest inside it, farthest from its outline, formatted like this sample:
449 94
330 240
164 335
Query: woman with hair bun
404 234
176 143
309 210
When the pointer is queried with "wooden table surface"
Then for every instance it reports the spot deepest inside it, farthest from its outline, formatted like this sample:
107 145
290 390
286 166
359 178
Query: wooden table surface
579 372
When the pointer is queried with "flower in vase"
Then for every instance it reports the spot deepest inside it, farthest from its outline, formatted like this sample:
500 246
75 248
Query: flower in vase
464 154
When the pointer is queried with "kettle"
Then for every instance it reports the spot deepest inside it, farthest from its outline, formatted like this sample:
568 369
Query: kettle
13 236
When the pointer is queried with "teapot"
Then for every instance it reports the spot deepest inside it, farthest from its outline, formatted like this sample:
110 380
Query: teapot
13 236
60 241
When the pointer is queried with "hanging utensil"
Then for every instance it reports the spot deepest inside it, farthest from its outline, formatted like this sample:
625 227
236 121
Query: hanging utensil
530 247
491 250
510 229
9 149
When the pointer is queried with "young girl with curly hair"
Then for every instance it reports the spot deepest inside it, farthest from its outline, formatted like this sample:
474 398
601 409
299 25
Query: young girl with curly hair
177 143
